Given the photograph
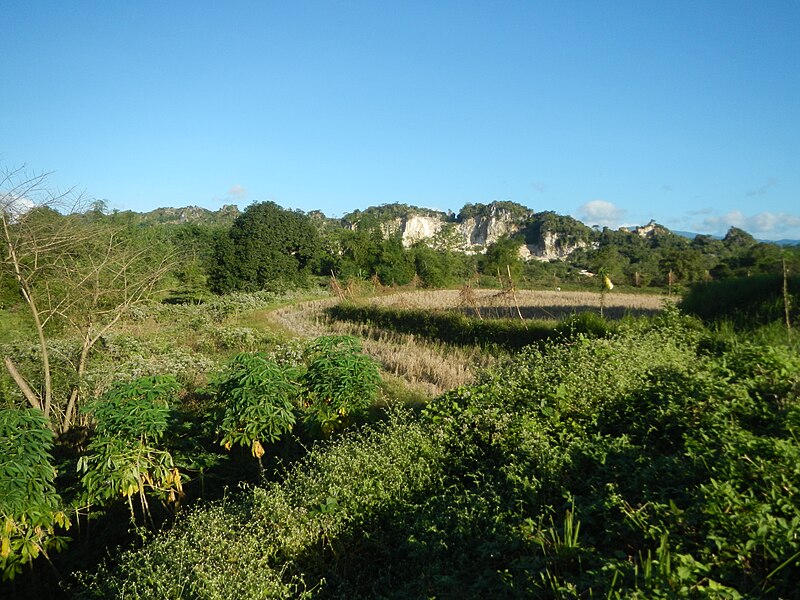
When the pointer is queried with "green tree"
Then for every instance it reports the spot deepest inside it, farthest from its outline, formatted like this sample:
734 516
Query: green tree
72 272
266 246
501 257
395 264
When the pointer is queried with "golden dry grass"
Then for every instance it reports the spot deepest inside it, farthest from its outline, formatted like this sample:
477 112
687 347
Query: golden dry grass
545 304
426 367
433 368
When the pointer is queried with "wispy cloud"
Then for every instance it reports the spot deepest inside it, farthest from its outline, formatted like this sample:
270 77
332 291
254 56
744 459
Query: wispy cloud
537 186
237 192
601 212
761 190
766 225
702 211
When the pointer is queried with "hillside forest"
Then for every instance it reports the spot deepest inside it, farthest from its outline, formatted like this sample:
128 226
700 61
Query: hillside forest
268 403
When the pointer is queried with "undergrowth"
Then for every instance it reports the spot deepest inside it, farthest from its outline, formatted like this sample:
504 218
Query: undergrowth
647 464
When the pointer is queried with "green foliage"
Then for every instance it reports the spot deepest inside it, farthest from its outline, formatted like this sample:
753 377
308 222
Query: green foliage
30 509
387 212
124 457
639 465
394 265
277 542
339 384
266 246
747 301
569 231
478 210
259 398
501 257
454 327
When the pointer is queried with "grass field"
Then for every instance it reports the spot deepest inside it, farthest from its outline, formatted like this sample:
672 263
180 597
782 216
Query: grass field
432 368
543 304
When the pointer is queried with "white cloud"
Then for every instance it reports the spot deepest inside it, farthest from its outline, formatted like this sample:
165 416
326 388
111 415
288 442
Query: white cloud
766 225
601 212
237 192
15 206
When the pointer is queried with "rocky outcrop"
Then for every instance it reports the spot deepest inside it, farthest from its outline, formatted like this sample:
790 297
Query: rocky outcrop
417 228
192 214
477 233
550 246
472 235
650 230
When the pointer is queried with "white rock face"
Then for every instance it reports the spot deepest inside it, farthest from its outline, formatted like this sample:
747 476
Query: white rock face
549 248
648 230
483 231
418 228
474 235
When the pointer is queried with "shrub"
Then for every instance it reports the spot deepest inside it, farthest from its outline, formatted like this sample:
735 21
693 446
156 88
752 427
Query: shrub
259 398
30 509
748 301
339 384
124 456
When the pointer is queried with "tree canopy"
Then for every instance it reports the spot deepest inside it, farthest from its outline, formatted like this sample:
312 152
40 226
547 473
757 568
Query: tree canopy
265 246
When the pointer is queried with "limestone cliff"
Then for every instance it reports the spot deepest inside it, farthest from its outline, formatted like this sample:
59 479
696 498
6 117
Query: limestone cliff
547 236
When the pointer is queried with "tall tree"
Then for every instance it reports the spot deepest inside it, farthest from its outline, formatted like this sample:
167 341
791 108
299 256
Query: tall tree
266 244
72 273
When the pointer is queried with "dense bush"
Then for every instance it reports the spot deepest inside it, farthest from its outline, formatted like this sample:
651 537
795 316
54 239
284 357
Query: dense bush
266 246
126 456
340 382
636 465
258 395
748 301
31 512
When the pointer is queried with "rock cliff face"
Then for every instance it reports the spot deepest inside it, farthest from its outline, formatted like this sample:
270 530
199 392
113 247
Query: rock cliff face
474 233
550 246
192 214
484 230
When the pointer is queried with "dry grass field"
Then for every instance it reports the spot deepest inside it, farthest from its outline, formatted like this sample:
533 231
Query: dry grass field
546 304
432 368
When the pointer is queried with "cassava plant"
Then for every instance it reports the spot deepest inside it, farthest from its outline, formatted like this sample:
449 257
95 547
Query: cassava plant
341 382
126 457
30 509
259 395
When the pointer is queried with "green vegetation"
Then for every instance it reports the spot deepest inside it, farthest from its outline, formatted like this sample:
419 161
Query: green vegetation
596 455
454 327
746 301
265 246
340 383
126 455
637 465
31 510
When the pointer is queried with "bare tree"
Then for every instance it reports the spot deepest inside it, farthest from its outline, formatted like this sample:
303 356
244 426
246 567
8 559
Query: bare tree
72 273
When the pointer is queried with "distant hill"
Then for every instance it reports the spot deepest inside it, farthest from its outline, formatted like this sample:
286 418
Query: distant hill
691 235
188 214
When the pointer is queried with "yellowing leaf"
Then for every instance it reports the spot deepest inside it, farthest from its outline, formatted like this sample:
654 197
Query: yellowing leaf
258 449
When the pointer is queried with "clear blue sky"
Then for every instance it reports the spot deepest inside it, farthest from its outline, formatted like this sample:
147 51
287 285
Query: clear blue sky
614 112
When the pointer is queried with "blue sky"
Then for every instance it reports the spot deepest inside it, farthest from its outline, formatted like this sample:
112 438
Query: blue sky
614 112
